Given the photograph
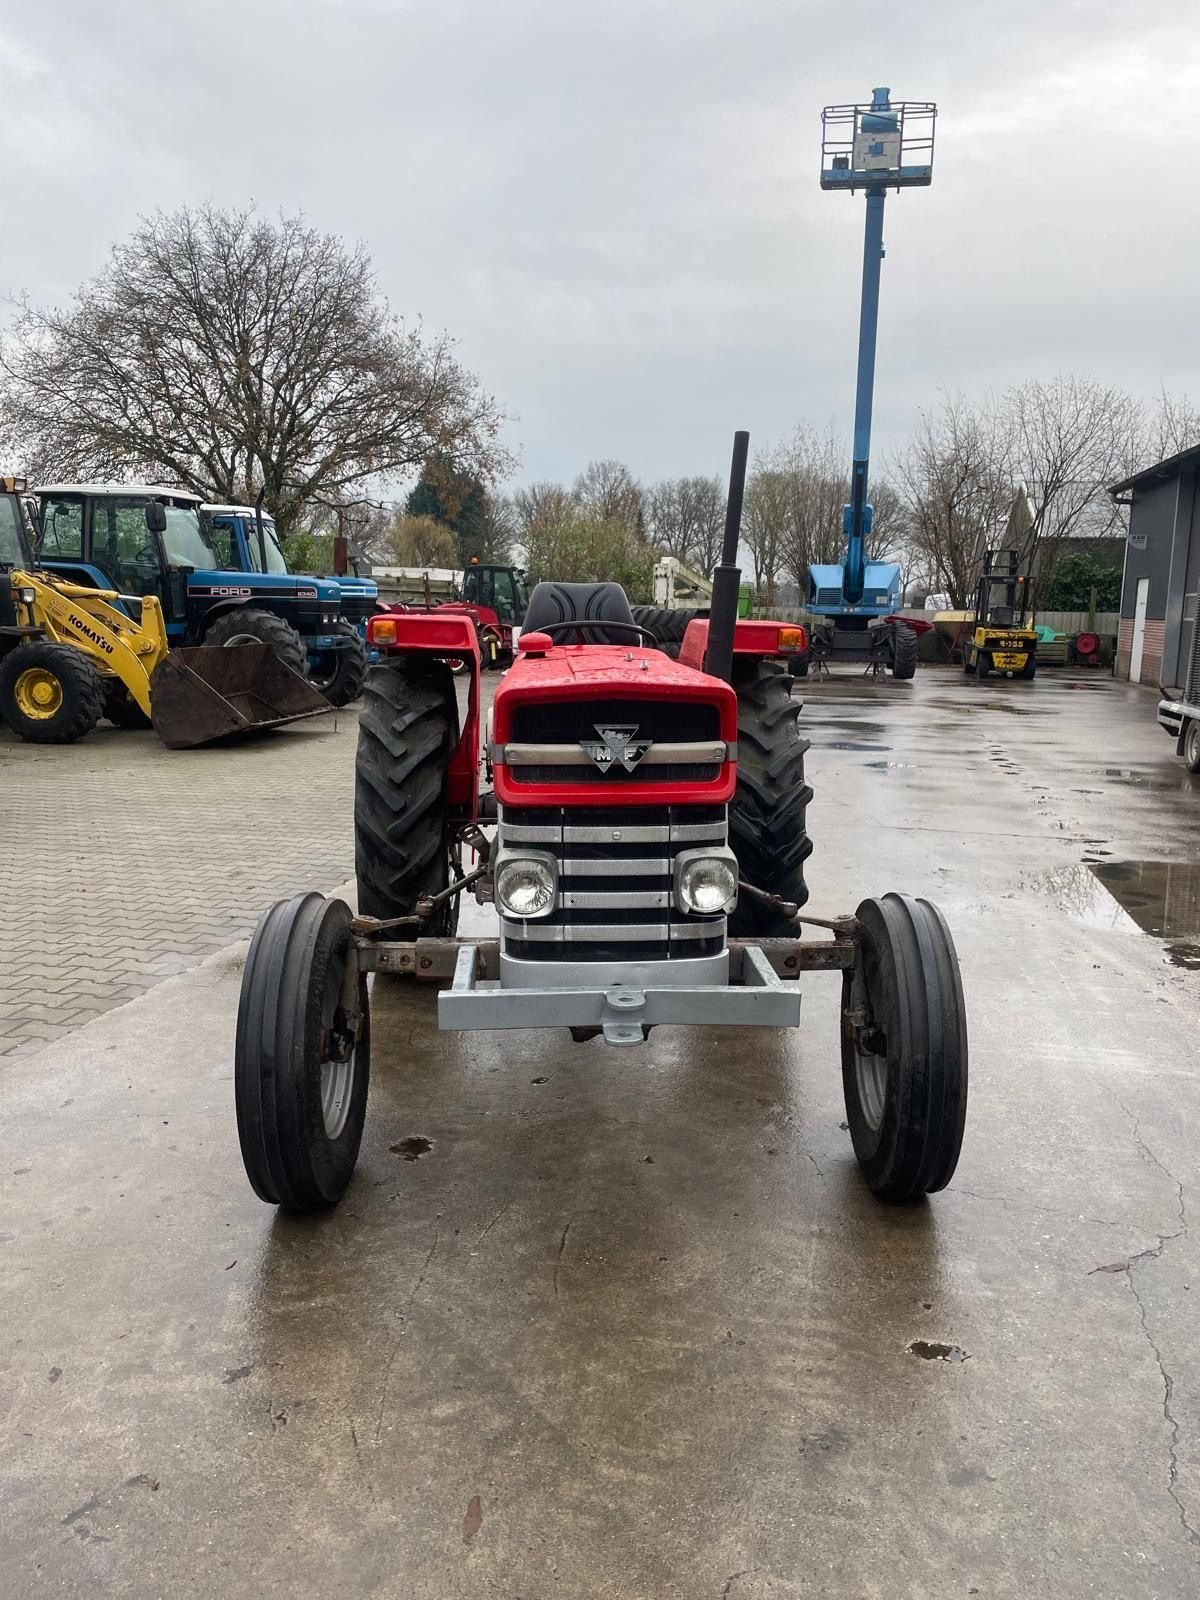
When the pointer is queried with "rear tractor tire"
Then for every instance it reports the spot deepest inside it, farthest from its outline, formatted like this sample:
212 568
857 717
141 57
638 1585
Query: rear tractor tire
340 674
768 814
248 625
667 624
904 1048
300 1071
50 693
407 733
904 652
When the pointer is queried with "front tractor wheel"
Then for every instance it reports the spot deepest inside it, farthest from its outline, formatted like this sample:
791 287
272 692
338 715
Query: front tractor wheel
904 1048
407 733
50 693
248 625
340 674
768 814
301 1060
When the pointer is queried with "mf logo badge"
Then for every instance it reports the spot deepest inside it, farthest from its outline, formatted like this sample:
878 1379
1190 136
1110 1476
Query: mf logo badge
616 745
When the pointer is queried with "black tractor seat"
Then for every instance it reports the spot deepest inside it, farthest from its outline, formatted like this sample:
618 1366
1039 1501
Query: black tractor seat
589 604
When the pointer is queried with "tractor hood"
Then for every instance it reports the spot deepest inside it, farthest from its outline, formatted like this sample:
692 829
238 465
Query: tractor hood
599 725
263 586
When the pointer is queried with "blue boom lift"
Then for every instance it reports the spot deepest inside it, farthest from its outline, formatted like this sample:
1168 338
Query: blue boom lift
876 146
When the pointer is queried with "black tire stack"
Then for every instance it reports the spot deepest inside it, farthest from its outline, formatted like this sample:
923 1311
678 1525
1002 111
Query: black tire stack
667 624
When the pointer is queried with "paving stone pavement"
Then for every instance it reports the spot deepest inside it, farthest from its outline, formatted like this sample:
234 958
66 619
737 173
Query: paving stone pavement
123 862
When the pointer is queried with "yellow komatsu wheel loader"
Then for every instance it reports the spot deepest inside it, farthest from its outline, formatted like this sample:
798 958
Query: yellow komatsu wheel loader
70 655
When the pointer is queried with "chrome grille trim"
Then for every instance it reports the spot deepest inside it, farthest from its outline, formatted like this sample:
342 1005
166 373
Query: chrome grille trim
615 900
633 867
567 755
585 932
616 895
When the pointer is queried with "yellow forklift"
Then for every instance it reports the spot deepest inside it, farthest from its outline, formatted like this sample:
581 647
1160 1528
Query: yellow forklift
1001 637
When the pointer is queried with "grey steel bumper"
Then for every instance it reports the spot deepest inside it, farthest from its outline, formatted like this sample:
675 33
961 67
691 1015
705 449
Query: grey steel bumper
762 1000
1172 714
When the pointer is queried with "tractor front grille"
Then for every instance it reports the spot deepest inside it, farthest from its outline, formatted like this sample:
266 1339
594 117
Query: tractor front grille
356 608
616 882
553 737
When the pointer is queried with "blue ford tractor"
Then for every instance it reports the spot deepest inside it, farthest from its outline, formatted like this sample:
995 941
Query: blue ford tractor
247 543
96 534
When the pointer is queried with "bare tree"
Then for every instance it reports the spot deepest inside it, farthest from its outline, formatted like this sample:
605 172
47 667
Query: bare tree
764 523
419 542
608 492
228 352
955 483
1067 440
540 506
1172 427
500 527
685 518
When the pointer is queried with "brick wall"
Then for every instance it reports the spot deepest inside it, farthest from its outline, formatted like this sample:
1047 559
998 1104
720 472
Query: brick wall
1152 649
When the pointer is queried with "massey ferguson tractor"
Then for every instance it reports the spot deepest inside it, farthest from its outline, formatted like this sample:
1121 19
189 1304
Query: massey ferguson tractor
647 869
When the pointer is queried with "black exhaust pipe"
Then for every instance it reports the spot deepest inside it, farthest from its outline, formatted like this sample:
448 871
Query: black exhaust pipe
727 575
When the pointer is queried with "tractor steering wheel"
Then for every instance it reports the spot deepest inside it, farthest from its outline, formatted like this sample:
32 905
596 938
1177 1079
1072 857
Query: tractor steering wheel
600 624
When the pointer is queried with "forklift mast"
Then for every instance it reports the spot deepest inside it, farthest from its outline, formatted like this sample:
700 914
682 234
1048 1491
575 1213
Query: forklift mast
1005 595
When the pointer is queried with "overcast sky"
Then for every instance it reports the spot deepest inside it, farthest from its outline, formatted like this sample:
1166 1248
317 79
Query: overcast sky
614 206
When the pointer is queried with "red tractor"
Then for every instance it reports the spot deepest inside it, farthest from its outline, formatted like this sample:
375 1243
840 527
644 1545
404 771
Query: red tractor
647 868
493 596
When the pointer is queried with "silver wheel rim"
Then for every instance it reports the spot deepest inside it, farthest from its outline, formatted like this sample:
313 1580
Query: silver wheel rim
870 1073
337 1082
870 1069
322 678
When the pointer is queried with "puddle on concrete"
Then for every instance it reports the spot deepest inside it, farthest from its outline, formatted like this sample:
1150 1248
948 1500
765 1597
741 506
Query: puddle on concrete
1186 954
1161 898
1001 704
861 725
848 744
412 1148
893 766
1138 776
935 1350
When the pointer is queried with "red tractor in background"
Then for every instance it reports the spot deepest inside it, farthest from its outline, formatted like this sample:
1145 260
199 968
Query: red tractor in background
647 868
494 596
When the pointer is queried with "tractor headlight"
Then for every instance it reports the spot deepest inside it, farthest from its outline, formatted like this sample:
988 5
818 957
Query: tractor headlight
706 881
526 885
27 596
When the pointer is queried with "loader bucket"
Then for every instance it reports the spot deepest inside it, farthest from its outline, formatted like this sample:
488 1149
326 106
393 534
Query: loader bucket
209 692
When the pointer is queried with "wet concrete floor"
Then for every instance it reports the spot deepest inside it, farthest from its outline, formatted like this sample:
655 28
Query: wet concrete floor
598 1323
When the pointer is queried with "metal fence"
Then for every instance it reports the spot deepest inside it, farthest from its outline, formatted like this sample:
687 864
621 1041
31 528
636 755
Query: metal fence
1105 623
